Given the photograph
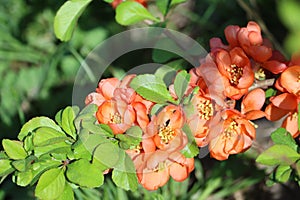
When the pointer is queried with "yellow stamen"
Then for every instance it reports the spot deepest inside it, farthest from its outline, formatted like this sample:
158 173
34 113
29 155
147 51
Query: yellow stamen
115 118
205 109
236 73
230 130
260 74
166 133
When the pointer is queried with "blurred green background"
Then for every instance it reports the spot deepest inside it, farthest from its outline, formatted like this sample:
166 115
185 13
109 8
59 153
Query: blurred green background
37 72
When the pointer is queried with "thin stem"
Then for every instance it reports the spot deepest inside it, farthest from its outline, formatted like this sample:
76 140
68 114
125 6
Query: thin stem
262 84
86 68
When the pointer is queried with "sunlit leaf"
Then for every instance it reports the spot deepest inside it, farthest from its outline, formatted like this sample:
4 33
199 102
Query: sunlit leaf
278 155
67 17
51 184
151 88
181 83
35 123
83 173
131 12
14 149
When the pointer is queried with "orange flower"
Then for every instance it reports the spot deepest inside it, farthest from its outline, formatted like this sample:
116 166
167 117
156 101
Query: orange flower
233 134
117 114
289 80
154 169
251 41
165 129
252 104
104 91
235 67
200 118
282 105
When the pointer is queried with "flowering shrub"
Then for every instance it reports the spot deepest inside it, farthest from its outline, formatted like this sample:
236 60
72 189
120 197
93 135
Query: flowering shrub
144 131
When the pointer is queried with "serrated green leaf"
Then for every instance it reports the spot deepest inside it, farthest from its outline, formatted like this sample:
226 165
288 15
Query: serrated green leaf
5 167
35 123
166 73
14 149
83 173
58 117
282 173
151 88
131 12
23 178
281 136
278 155
67 17
191 149
108 154
60 147
163 6
51 184
67 194
124 174
181 83
67 120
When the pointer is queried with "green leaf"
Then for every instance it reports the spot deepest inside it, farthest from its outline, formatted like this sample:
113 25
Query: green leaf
67 194
124 174
131 12
181 83
163 6
47 136
282 173
107 154
278 155
28 143
87 113
270 92
132 137
166 73
174 2
14 149
67 120
100 129
51 184
191 149
67 17
83 173
281 136
5 167
35 123
87 143
151 88
156 109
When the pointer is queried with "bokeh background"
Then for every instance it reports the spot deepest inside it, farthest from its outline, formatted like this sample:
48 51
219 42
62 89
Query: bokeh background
37 73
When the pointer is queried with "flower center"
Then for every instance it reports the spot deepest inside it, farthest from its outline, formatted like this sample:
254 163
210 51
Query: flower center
166 133
230 130
295 115
115 118
260 74
136 149
298 78
205 109
236 73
